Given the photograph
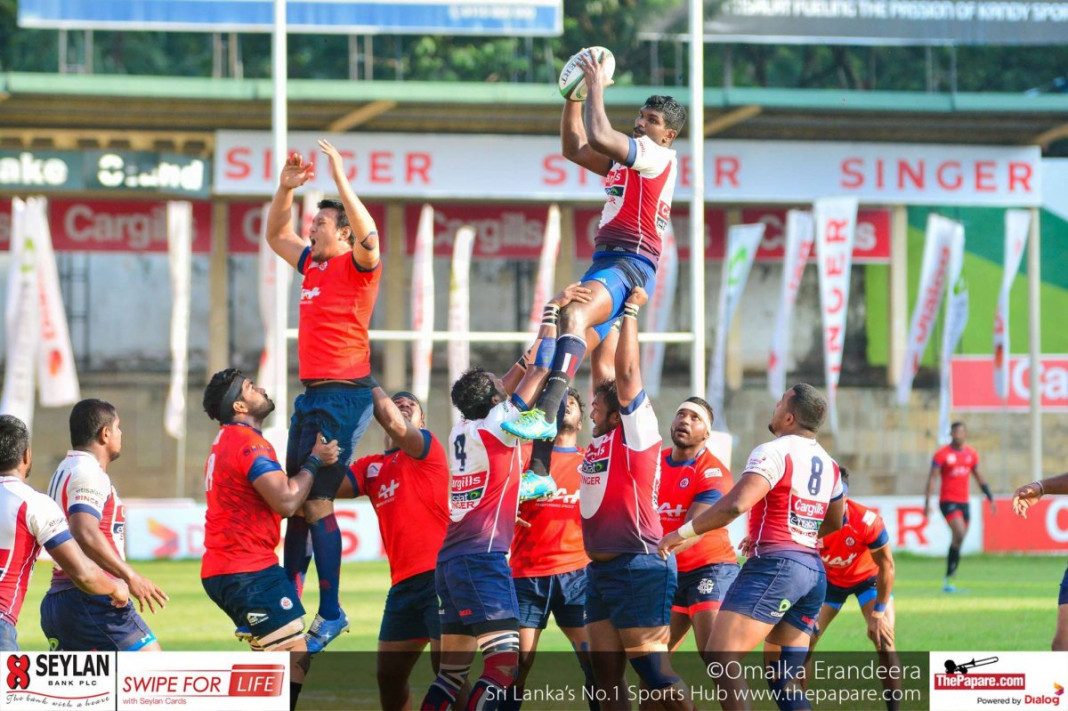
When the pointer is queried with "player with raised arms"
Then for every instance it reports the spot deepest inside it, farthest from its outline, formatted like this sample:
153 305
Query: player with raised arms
247 492
408 485
629 587
341 270
793 492
640 170
548 559
477 600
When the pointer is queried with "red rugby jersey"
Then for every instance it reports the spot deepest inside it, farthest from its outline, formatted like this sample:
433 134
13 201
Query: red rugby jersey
956 466
411 498
846 553
241 531
336 302
704 479
553 542
620 475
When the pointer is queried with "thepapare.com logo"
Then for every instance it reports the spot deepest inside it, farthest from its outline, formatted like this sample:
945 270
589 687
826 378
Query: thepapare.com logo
58 680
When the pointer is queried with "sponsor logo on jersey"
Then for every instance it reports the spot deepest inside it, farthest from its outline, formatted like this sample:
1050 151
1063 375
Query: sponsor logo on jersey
467 490
666 509
713 473
838 561
387 492
309 294
811 509
373 469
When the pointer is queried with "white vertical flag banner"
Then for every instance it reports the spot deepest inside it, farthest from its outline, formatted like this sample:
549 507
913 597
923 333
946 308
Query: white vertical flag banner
271 267
459 352
658 311
1017 225
57 378
22 323
956 320
423 303
179 250
543 284
836 227
936 252
800 236
742 244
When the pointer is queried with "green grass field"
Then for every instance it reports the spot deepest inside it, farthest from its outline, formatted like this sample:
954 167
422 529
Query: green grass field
1018 592
1008 603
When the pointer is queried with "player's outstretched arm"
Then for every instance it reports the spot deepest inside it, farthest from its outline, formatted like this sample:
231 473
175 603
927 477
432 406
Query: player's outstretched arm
403 433
574 144
744 495
628 360
285 495
281 237
365 246
87 575
85 527
601 136
1028 495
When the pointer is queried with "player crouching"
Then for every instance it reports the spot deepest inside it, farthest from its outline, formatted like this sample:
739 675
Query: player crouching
247 493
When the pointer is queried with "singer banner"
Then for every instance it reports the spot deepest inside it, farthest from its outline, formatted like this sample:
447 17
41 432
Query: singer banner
180 251
797 249
423 303
836 226
956 320
459 352
21 319
659 310
742 244
550 251
937 247
1017 225
57 379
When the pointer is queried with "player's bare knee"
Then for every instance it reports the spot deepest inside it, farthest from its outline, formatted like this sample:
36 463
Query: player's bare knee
287 638
317 509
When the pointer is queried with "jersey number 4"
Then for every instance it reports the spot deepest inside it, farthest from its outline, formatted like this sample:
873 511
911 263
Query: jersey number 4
458 452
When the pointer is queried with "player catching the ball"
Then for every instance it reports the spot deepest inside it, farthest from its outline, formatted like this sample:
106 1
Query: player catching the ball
640 171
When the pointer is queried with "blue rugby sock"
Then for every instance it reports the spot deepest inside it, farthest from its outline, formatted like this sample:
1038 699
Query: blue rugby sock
326 545
296 553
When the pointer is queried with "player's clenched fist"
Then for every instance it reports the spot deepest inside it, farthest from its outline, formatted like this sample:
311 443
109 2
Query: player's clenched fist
638 296
327 452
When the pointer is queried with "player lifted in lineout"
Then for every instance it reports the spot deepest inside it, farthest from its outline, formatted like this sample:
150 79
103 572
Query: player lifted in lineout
341 270
640 170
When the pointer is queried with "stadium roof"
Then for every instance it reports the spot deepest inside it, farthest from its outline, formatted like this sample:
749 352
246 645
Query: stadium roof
68 111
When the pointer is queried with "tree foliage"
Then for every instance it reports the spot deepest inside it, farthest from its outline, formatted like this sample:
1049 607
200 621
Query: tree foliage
618 24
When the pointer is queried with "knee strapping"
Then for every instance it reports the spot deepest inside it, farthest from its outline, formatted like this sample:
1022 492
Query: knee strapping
651 668
500 653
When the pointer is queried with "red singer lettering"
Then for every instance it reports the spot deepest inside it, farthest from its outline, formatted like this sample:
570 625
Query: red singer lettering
911 520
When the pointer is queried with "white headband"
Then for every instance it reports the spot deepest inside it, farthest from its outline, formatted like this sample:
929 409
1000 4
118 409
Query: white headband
702 413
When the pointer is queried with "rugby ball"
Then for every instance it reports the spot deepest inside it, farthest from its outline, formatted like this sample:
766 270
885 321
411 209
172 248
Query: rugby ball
573 81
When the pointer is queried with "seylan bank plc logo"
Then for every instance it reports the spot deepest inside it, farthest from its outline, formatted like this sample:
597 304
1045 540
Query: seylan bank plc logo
58 680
